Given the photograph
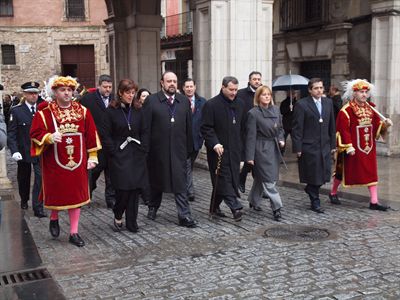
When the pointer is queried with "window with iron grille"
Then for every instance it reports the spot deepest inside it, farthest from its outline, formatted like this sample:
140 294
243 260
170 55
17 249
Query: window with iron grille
297 14
6 8
8 54
75 9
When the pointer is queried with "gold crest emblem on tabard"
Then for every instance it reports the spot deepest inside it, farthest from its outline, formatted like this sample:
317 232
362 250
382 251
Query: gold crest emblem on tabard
364 138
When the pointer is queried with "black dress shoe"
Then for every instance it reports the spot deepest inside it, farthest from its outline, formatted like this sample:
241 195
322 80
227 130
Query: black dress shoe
191 198
334 199
117 225
152 213
24 205
317 209
237 215
187 222
242 188
54 228
76 240
39 214
218 212
255 207
134 228
277 215
377 206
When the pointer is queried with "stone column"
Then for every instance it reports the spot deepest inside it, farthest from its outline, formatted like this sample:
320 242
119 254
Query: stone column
385 66
134 43
231 38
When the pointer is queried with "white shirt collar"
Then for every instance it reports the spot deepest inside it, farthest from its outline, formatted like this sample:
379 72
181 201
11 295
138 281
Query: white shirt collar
30 105
315 100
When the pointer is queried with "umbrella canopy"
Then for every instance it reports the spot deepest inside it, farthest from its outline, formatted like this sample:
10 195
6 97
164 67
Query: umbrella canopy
287 82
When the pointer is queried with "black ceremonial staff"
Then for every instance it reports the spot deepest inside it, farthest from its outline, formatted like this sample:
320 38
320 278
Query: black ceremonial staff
214 194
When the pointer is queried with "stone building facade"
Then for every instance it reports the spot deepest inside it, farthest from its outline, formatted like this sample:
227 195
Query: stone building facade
338 40
60 37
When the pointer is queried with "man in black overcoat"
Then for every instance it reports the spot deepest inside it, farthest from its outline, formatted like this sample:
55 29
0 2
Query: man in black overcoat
222 128
313 138
97 103
247 96
19 143
168 117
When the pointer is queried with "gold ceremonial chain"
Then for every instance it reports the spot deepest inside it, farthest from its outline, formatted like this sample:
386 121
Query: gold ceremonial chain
364 113
71 114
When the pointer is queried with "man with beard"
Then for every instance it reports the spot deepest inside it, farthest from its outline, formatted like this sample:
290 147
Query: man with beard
222 128
247 96
358 128
168 117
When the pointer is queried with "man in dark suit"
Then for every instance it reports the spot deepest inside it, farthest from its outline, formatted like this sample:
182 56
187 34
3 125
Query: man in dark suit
196 105
19 143
313 138
222 128
97 102
247 96
169 118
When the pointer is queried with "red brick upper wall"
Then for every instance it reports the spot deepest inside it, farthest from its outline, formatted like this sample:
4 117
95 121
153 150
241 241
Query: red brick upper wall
50 13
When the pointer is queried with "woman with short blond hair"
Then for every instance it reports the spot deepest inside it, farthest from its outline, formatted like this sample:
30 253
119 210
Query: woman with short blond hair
264 139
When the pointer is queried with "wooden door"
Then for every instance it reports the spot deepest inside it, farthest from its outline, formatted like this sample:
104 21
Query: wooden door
78 61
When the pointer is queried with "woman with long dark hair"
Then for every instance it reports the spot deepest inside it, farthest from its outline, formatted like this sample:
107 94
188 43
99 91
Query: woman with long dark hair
124 141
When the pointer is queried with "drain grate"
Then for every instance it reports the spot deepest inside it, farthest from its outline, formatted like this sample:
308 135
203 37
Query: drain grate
21 277
297 233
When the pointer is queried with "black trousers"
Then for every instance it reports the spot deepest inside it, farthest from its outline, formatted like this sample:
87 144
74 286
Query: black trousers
313 192
95 173
231 201
24 183
181 201
127 202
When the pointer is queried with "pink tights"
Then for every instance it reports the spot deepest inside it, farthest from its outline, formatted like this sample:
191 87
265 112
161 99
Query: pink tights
373 190
74 214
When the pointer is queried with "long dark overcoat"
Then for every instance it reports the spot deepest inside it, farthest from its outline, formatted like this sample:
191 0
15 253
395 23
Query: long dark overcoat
128 165
314 139
218 128
170 143
264 131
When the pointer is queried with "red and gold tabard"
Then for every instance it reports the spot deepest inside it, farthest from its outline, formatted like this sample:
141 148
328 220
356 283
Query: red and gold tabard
64 164
358 127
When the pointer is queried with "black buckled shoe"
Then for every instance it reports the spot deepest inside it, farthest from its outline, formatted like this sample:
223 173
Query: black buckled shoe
54 228
152 213
377 206
187 222
317 209
76 240
40 214
277 215
334 199
237 215
24 205
255 207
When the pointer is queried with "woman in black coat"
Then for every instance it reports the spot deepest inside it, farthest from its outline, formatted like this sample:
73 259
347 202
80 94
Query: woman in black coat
124 142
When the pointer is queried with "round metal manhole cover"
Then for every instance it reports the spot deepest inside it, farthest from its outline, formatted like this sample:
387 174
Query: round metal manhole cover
297 233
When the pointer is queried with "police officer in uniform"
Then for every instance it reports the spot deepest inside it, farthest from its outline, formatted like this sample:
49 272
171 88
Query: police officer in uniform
19 143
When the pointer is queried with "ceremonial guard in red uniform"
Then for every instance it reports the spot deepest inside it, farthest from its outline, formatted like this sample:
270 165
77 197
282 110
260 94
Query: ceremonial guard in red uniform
64 135
358 126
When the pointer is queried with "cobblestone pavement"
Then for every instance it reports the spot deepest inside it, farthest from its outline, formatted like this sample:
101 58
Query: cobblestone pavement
222 259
